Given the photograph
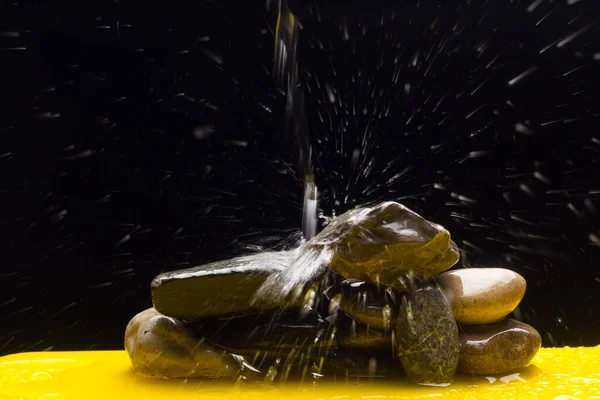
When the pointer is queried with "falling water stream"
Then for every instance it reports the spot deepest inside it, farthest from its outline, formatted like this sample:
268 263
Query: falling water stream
285 73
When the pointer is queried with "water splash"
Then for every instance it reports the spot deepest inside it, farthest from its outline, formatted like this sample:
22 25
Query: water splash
309 264
326 219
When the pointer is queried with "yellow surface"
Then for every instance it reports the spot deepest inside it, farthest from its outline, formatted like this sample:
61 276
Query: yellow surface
560 374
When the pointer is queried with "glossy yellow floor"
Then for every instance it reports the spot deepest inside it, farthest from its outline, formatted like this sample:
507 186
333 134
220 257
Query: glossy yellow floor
559 374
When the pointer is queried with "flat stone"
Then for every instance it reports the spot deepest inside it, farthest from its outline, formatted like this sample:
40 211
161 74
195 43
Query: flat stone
364 302
162 347
379 244
217 289
427 337
482 295
497 348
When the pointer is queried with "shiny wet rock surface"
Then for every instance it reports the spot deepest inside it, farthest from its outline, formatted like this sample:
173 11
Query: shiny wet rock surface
497 348
163 347
380 243
216 289
482 295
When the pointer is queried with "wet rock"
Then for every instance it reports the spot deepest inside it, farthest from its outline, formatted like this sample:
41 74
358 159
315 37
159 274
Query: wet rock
497 348
365 303
162 347
427 337
217 289
482 295
381 243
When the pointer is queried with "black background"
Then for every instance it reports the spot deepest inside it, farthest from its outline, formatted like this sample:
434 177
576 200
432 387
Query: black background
140 138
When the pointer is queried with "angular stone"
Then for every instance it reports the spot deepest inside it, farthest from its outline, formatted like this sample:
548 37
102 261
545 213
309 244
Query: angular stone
379 244
162 347
427 337
482 295
217 289
365 303
497 348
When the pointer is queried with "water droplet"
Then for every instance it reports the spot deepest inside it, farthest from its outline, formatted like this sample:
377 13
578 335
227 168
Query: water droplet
334 304
386 313
203 132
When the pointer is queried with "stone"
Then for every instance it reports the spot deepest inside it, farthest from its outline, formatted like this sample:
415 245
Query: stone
482 295
427 337
379 244
163 347
363 302
498 348
217 289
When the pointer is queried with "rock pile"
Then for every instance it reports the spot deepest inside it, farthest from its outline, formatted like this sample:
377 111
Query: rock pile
383 304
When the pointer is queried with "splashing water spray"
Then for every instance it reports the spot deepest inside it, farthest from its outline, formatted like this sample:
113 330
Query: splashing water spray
285 73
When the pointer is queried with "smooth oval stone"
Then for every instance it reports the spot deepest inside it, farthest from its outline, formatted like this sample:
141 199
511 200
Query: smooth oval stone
217 289
482 295
497 348
363 302
381 243
427 337
162 347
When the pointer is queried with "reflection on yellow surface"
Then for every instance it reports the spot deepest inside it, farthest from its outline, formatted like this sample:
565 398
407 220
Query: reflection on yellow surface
559 374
